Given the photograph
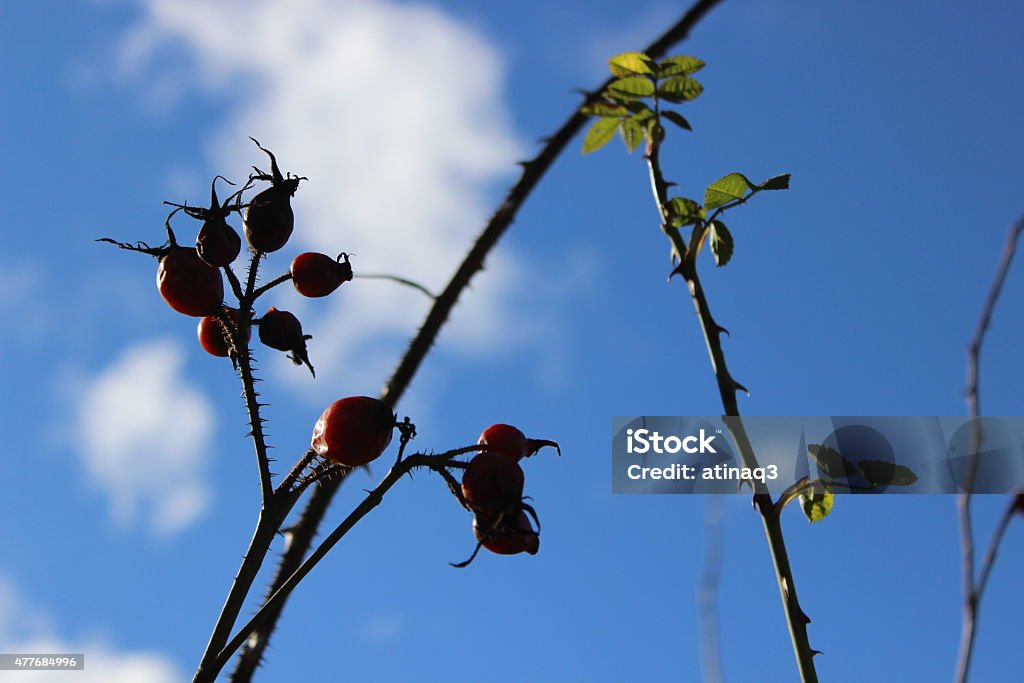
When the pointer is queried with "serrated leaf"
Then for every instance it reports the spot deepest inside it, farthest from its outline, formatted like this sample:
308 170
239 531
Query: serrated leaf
882 473
632 87
816 501
779 182
726 189
599 134
677 119
680 89
632 132
630 64
679 66
605 109
683 211
721 243
831 463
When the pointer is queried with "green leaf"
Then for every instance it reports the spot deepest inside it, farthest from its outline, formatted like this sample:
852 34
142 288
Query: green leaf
882 473
677 119
632 87
680 89
605 109
599 134
726 189
684 211
831 463
679 66
816 501
630 64
721 243
632 132
779 182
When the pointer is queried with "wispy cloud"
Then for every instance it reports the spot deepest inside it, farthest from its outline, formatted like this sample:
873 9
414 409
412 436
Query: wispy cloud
144 434
395 113
25 628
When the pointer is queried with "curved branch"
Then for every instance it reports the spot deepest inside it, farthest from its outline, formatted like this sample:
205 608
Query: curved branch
973 589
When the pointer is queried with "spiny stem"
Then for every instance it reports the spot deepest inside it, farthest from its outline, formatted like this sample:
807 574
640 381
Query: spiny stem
727 388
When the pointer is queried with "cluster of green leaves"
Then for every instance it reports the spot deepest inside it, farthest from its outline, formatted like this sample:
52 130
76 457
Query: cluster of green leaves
725 193
633 106
836 471
632 103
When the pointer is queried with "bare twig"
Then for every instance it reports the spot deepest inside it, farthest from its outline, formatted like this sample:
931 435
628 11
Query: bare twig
974 588
400 280
707 594
305 528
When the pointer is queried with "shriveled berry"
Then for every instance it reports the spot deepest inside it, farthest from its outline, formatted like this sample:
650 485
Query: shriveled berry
218 244
513 535
315 274
188 284
281 330
353 431
492 482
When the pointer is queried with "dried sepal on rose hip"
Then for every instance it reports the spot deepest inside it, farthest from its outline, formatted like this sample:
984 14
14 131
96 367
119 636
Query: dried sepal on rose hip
511 442
316 275
281 330
492 482
188 284
214 339
506 534
353 431
269 221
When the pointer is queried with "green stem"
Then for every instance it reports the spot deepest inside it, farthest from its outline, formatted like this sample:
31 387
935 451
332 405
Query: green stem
727 387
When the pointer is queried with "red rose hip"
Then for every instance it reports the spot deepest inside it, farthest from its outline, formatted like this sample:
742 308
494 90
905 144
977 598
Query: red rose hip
492 483
353 431
188 284
316 275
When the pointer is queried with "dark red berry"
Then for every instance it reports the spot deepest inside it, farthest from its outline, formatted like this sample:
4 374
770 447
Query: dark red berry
269 219
218 244
512 535
213 337
281 330
188 284
315 274
354 431
492 483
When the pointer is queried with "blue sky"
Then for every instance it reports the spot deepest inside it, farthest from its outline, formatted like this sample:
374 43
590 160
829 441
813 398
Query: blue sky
132 492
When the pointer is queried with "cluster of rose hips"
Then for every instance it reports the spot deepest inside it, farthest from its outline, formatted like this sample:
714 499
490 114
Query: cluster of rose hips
352 431
355 431
492 488
190 278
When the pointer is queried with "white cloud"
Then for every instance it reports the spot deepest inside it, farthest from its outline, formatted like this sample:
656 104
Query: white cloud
25 629
145 434
394 112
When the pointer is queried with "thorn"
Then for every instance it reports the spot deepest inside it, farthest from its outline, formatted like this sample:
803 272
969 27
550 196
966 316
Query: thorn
815 653
740 387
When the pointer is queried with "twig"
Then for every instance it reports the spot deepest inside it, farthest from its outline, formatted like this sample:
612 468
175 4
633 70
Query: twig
533 170
973 589
400 280
707 594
